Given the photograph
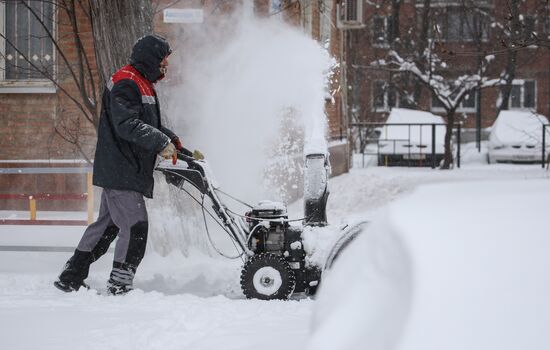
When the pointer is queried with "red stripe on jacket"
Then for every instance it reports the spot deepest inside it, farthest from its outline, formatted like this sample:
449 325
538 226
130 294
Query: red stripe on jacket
128 72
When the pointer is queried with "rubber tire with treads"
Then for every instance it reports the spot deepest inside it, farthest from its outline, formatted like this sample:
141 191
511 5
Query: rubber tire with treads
254 264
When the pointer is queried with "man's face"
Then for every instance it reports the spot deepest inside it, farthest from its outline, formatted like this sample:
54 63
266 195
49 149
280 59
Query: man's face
164 65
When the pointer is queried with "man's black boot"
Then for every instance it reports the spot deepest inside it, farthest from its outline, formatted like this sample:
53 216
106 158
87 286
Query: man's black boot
121 279
75 272
68 287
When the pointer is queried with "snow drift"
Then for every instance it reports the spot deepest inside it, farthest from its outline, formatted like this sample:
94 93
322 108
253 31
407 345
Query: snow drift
438 270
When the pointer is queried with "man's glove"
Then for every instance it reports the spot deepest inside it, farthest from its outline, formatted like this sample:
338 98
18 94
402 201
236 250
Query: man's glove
168 151
177 143
198 155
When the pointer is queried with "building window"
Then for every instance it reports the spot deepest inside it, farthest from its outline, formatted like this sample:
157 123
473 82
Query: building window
459 24
25 47
325 22
523 94
384 96
381 30
468 104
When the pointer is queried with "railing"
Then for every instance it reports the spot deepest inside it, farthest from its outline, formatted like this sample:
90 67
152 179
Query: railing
32 198
431 156
543 157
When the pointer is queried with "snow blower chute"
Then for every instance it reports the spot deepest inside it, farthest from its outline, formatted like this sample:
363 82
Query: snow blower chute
276 264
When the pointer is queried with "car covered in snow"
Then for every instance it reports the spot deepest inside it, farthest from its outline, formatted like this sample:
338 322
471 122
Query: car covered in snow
411 144
516 136
419 276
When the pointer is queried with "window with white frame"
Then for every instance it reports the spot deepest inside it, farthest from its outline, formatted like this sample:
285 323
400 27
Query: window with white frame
381 30
523 94
384 96
468 104
26 48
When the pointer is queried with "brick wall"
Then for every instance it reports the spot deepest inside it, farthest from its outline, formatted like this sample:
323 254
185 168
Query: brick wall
27 131
532 63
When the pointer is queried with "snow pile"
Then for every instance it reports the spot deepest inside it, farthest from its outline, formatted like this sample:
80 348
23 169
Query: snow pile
318 242
438 270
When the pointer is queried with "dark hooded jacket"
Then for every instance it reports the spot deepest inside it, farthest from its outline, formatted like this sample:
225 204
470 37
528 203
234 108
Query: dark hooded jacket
130 133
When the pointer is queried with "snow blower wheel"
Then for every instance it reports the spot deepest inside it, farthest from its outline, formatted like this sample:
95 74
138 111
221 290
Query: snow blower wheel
267 276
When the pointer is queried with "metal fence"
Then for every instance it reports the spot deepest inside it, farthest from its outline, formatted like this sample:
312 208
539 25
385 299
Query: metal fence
33 197
543 156
405 144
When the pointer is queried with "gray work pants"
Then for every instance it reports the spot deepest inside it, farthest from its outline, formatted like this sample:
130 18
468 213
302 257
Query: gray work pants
121 213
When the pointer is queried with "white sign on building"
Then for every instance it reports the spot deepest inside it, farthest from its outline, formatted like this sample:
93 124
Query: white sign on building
183 16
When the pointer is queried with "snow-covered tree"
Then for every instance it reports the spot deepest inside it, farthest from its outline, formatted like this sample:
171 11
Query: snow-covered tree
450 91
425 57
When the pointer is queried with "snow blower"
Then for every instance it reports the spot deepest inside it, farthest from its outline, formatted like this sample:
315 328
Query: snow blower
270 244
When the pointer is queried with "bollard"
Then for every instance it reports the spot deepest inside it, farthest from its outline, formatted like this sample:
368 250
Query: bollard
32 207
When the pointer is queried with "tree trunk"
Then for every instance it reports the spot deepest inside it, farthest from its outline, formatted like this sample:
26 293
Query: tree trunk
515 32
116 27
448 157
422 44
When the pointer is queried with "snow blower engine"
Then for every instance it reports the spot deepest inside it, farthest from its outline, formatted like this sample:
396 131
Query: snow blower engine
271 245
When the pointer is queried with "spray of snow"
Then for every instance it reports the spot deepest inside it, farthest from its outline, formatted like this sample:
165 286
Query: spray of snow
249 93
248 84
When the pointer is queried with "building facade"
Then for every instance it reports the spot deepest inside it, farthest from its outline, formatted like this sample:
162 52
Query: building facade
460 33
49 93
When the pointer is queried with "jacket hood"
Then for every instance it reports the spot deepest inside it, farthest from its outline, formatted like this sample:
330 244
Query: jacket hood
147 54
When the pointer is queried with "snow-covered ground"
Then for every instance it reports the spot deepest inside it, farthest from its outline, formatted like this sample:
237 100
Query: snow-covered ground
191 302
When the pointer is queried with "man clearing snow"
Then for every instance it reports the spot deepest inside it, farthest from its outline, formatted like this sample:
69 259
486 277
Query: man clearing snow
130 136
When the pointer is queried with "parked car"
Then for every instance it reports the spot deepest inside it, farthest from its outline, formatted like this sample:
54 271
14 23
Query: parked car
516 137
411 144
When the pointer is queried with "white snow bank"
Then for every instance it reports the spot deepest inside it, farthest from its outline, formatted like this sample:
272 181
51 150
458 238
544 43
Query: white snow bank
438 270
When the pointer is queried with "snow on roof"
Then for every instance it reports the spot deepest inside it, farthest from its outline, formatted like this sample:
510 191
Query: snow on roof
404 115
517 127
415 133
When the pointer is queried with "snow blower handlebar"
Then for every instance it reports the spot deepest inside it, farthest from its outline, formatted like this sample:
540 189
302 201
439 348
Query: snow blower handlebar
196 174
182 154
